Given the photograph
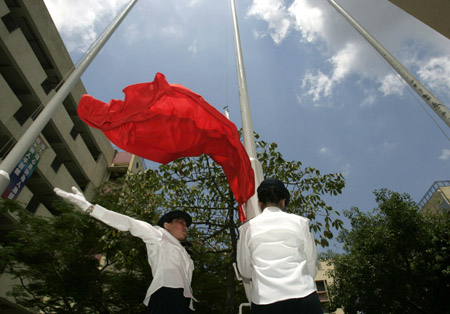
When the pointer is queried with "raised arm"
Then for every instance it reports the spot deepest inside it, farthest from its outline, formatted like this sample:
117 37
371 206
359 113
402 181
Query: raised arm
137 228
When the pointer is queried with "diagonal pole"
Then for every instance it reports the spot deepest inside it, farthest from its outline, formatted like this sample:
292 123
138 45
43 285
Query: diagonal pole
16 154
251 207
435 104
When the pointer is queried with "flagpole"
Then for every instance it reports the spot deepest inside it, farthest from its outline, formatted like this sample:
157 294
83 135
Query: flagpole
251 207
435 104
16 154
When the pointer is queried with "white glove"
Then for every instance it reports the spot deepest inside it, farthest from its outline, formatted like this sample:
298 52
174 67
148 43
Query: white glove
77 198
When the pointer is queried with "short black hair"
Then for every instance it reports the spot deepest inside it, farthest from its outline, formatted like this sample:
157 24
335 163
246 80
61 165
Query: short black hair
270 195
273 191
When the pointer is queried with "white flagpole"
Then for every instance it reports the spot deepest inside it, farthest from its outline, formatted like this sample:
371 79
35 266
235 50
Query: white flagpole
13 158
435 104
251 207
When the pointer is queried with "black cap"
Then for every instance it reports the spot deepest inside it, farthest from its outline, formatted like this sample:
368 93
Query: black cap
175 214
277 185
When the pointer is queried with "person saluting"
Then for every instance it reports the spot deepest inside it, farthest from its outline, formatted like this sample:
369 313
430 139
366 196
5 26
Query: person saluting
170 291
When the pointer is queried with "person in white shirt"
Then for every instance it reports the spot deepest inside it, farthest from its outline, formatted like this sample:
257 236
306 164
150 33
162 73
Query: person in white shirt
277 253
170 290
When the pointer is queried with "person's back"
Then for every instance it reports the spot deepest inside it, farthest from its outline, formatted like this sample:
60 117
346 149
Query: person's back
281 251
277 252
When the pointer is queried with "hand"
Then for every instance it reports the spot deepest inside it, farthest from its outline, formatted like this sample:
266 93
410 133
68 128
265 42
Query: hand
77 198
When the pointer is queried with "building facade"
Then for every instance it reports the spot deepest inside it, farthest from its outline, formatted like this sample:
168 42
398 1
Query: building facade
33 65
323 281
436 199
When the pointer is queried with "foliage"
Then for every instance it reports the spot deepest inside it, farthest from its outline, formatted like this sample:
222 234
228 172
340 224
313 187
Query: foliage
56 262
396 260
307 187
197 185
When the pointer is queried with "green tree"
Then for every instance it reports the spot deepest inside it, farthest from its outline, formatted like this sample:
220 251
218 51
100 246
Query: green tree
199 186
56 262
396 260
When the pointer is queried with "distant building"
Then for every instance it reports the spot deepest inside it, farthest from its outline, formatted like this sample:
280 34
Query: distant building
323 281
437 198
33 65
124 163
434 13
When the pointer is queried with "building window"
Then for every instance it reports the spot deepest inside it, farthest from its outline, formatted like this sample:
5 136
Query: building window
320 284
47 86
21 116
74 133
33 205
9 22
12 4
56 164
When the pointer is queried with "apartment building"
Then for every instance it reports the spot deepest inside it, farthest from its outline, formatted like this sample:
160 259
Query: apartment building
437 198
34 64
323 281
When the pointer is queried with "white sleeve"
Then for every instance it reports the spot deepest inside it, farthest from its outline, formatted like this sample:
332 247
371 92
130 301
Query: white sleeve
137 228
311 251
243 254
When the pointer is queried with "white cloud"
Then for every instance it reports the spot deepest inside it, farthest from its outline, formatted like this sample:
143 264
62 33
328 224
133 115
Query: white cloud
317 85
309 20
275 14
192 3
319 22
323 151
343 61
321 85
436 73
81 22
369 100
78 21
445 154
392 84
193 47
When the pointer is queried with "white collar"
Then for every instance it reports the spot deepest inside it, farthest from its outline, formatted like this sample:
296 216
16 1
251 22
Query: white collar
272 209
170 236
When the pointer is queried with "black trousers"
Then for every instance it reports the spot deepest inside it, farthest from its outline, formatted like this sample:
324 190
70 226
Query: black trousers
307 305
168 301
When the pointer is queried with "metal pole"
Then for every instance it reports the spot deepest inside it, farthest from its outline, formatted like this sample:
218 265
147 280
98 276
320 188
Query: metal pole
13 158
441 110
251 207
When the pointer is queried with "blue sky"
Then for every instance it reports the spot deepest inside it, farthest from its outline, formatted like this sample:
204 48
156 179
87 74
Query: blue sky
316 87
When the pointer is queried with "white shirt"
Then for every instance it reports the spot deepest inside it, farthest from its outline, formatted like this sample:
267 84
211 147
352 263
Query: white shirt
277 252
171 265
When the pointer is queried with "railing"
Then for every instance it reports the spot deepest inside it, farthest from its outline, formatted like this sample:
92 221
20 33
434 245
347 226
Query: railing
434 187
238 276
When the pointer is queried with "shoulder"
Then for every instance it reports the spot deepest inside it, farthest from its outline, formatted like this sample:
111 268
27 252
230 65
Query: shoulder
294 217
245 225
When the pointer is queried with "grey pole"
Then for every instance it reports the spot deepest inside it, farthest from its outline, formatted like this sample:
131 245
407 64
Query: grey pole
16 154
441 110
251 207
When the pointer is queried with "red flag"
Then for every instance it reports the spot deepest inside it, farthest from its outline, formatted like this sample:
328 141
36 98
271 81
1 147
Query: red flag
163 122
